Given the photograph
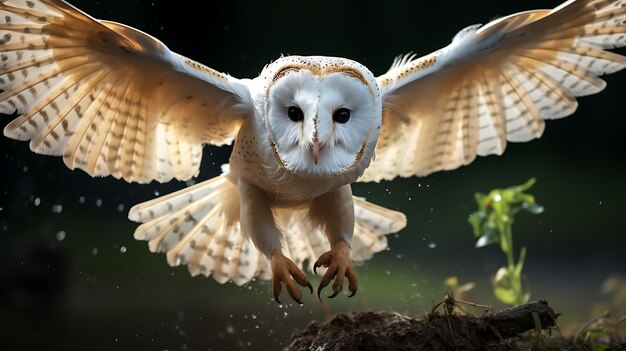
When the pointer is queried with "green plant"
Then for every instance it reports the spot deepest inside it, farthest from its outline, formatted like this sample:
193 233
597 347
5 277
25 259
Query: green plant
599 334
492 224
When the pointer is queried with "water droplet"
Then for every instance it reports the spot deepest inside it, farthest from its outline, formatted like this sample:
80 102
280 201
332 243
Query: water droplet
230 329
156 193
25 169
57 208
37 201
285 314
190 182
99 202
94 251
60 235
432 245
123 249
81 199
600 203
120 208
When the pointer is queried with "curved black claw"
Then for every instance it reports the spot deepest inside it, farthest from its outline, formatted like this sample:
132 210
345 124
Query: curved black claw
336 291
337 260
353 293
308 285
319 291
316 266
284 271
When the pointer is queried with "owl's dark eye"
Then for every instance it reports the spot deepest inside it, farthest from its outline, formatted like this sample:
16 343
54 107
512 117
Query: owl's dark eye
342 115
295 114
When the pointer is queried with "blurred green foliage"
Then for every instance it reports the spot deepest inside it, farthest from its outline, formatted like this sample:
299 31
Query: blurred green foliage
493 223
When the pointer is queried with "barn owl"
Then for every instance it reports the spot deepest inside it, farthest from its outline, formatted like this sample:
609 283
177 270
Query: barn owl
112 100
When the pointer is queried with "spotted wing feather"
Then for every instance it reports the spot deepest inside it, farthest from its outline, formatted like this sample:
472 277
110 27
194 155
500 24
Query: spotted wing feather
108 98
494 85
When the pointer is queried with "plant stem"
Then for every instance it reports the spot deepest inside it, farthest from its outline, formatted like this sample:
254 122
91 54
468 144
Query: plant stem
508 236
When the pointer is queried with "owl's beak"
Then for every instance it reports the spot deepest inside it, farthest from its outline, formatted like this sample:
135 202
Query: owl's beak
316 149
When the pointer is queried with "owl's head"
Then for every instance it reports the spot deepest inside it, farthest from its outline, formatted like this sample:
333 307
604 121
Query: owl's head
322 115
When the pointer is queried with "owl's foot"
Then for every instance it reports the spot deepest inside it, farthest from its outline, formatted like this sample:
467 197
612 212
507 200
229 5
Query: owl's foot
339 267
283 270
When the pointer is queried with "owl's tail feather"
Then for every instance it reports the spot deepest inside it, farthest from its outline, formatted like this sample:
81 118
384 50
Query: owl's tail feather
372 223
199 227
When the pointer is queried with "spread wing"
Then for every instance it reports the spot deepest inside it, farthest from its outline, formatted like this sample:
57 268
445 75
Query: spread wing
108 98
494 84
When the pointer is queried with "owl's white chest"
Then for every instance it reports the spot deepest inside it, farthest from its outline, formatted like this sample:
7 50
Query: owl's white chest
252 160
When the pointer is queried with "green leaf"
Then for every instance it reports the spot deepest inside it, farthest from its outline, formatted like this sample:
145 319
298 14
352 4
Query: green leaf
506 296
523 187
525 298
480 199
488 235
534 208
524 199
476 219
483 241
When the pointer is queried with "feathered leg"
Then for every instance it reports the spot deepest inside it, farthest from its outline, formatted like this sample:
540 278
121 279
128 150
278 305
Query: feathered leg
257 221
334 212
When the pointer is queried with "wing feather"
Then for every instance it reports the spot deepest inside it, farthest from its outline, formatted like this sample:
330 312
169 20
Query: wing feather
77 145
494 84
109 98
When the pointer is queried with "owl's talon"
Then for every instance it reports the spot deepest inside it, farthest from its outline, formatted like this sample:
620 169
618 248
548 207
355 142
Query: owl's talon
319 292
285 271
336 291
339 267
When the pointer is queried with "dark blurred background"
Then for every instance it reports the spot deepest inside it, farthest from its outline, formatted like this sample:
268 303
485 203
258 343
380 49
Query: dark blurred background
73 277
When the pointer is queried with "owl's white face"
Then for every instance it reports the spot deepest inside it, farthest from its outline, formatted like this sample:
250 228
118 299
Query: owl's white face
322 118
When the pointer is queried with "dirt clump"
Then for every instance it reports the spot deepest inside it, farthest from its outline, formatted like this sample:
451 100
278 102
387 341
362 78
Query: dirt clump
449 331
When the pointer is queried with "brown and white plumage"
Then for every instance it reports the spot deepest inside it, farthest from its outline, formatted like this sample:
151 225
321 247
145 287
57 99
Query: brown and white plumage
199 227
115 101
494 84
106 97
